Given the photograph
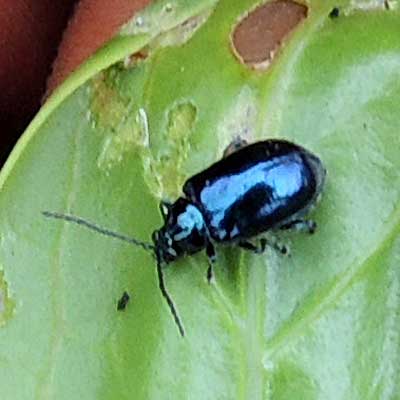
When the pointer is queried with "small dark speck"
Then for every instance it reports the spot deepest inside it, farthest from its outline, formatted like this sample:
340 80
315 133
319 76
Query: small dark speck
123 301
334 12
364 125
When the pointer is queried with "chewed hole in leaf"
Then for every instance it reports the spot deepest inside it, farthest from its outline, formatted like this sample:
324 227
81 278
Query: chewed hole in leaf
259 35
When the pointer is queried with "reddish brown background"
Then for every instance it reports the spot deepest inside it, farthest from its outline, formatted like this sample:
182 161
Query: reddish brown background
41 41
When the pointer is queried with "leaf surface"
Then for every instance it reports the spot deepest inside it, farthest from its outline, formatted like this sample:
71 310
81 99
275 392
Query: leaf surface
121 135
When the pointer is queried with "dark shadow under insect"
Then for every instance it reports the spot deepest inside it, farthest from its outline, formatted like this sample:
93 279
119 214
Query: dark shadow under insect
123 301
265 186
334 13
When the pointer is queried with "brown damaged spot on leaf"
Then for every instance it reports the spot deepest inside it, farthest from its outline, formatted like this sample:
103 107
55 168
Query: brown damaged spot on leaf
134 59
261 33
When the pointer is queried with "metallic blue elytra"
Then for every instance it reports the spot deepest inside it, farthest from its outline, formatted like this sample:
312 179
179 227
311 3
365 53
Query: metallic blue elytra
263 186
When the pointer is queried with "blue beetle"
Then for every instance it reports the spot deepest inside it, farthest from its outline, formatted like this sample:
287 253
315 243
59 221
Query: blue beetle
264 186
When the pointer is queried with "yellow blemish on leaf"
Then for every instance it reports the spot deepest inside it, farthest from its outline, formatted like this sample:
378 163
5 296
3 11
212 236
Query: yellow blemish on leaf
164 172
122 124
7 305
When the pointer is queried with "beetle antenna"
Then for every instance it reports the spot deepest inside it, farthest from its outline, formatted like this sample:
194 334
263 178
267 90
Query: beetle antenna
167 297
98 229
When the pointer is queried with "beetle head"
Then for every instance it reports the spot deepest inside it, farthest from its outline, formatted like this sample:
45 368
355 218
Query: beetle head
184 231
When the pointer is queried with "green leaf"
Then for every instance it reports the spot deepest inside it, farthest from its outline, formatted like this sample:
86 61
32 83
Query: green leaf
126 130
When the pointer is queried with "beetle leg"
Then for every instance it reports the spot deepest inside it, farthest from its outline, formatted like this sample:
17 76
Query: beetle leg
164 208
302 225
281 247
255 249
211 255
264 242
235 145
